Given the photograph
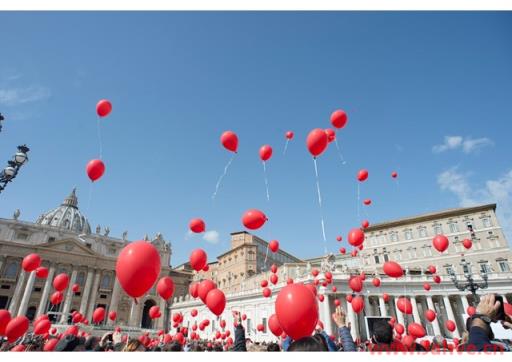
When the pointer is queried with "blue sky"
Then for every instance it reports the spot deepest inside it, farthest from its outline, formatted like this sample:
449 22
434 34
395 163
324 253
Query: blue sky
427 94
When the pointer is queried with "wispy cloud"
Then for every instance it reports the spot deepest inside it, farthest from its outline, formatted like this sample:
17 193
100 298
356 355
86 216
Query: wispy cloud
466 144
211 236
498 191
19 96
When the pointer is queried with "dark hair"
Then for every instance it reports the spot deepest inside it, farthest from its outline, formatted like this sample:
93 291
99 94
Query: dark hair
309 344
382 332
90 343
196 347
218 348
273 347
68 343
176 347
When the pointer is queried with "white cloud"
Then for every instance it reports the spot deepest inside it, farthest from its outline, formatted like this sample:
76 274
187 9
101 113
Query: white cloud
211 236
466 144
17 96
497 191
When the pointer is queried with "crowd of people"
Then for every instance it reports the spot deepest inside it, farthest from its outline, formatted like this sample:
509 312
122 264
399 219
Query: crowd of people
478 337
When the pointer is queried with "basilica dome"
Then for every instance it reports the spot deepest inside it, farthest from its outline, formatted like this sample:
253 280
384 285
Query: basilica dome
66 216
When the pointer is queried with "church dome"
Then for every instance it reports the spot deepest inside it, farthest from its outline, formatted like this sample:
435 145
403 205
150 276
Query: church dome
66 216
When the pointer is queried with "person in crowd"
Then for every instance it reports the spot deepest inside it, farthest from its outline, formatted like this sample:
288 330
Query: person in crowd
314 343
382 338
91 343
273 347
339 318
240 344
134 345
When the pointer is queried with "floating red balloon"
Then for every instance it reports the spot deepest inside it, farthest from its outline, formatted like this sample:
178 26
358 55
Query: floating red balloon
192 290
348 298
437 279
216 301
367 201
339 118
273 268
338 238
356 284
440 242
267 292
230 141
467 243
42 272
357 304
404 305
197 225
450 325
103 108
165 287
273 279
56 298
42 327
16 327
296 310
273 246
112 315
399 328
431 269
365 224
362 175
193 312
265 152
385 296
331 136
312 288
316 142
204 288
60 282
75 288
154 312
138 267
416 330
355 237
50 345
98 315
343 251
472 310
354 253
426 286
393 269
253 219
321 297
289 135
394 174
5 317
264 283
198 259
430 315
95 169
31 262
273 325
376 282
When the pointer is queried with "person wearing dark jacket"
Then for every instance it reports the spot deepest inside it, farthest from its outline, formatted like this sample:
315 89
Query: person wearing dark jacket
240 345
382 338
67 344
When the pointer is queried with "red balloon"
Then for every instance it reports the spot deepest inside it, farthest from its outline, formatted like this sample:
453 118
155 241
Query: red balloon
367 201
31 262
274 326
348 298
206 268
289 135
77 318
355 237
334 289
362 175
18 348
450 325
216 301
337 302
312 288
56 298
425 344
274 246
42 327
385 296
16 328
60 282
222 324
267 292
273 279
338 238
430 315
95 169
331 136
112 316
165 287
408 341
244 317
260 327
356 284
426 286
357 304
192 290
42 272
75 288
321 297
154 312
103 108
296 310
50 345
230 141
264 283
393 269
316 142
265 152
404 305
253 219
362 276
98 315
416 330
138 267
339 118
437 279
365 224
343 251
432 269
399 328
354 253
394 174
289 281
273 268
5 317
204 288
472 310
193 312
328 275
315 272
440 242
197 225
467 243
376 282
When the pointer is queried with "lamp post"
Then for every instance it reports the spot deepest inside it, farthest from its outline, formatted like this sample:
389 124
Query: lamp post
471 285
13 166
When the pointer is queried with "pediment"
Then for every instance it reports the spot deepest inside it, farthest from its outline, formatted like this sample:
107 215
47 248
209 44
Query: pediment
69 245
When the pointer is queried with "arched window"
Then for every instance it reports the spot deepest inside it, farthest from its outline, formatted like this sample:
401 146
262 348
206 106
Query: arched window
105 281
80 278
11 270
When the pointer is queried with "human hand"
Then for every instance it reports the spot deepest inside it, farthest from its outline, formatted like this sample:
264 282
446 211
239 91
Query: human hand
488 306
117 337
339 317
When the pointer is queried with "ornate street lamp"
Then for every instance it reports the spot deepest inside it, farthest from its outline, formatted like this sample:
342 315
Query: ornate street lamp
471 285
11 171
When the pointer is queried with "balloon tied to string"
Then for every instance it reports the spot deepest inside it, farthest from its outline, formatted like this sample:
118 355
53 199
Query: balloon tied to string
229 140
288 135
265 154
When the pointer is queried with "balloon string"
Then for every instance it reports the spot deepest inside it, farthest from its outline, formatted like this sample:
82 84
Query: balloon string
222 176
320 204
99 138
339 151
286 146
266 180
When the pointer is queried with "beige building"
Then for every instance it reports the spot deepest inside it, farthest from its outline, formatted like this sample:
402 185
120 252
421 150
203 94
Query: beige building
63 239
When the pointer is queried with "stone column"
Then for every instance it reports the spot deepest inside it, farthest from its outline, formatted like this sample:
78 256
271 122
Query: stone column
134 315
161 320
41 309
368 309
415 312
354 330
325 311
15 300
399 315
451 316
435 322
114 301
69 298
2 259
26 294
86 292
382 307
465 303
94 295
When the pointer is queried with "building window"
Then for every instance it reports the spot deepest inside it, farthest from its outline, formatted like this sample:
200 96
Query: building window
393 236
408 234
51 239
504 267
465 268
449 270
486 221
264 321
398 255
80 278
454 228
485 268
11 271
105 282
423 232
386 258
376 257
21 236
438 229
249 325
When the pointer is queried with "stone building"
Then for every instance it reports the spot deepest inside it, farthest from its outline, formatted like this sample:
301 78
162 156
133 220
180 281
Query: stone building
407 241
64 240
